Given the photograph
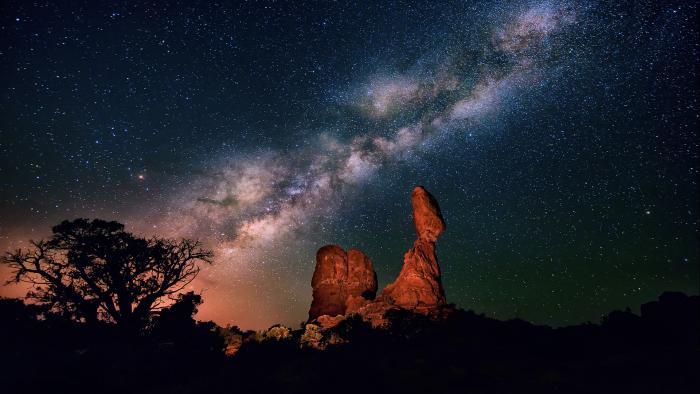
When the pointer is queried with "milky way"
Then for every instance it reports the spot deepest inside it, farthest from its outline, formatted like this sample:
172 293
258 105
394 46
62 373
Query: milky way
260 199
253 203
499 109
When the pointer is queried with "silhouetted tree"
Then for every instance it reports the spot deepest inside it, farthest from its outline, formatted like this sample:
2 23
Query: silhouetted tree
176 326
94 270
179 316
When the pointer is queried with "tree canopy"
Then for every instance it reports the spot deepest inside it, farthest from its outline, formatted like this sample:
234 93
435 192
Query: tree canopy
95 270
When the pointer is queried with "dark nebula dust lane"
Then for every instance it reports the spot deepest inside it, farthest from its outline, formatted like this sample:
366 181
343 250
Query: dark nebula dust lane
558 136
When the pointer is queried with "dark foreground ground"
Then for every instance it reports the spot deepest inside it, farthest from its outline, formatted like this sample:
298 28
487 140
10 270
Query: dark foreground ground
657 352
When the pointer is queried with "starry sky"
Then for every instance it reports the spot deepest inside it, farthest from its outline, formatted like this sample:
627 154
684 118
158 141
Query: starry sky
559 138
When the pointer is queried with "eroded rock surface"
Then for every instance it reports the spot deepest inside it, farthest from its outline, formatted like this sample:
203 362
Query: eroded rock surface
345 283
427 217
340 279
419 286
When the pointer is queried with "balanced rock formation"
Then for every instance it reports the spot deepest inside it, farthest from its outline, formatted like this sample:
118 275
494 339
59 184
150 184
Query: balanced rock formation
345 283
419 287
342 282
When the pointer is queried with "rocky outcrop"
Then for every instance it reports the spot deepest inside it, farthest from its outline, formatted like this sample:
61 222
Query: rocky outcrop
419 286
341 281
345 283
427 217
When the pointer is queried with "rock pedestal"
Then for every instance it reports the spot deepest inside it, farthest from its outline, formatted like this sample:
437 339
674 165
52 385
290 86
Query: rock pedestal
345 283
419 286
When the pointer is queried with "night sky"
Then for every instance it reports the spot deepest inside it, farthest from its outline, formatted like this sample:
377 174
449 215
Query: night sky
558 137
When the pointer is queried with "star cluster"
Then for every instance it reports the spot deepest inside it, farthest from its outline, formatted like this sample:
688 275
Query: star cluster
558 136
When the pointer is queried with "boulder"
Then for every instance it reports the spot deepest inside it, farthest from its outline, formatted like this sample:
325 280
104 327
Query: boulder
427 217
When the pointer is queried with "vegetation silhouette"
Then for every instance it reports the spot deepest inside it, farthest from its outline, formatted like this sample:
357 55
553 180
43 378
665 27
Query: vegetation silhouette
94 270
48 350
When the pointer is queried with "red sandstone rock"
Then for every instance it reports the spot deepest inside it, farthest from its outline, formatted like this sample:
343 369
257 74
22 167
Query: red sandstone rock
361 280
345 283
419 286
330 272
427 217
353 304
326 321
340 277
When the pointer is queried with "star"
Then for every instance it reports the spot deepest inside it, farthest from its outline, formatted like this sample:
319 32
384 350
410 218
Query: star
550 132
